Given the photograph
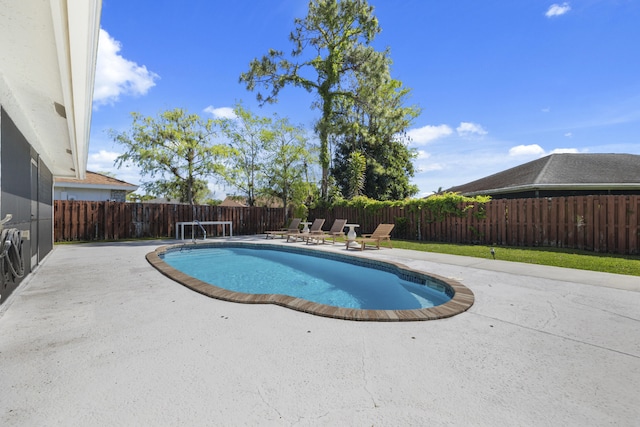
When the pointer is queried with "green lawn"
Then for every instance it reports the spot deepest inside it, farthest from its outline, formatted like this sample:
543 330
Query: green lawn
570 258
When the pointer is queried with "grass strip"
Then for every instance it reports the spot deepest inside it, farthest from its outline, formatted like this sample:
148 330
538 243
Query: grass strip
559 257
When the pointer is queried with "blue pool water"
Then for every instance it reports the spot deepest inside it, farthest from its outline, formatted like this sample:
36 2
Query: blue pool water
320 280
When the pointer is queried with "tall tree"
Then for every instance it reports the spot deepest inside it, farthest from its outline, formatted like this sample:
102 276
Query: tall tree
355 174
248 135
327 36
289 163
176 150
375 126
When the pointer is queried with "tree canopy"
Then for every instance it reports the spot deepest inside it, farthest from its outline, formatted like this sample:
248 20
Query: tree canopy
375 126
323 57
248 136
269 157
176 150
288 165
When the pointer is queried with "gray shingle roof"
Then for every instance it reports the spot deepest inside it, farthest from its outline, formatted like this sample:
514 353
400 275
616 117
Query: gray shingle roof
561 172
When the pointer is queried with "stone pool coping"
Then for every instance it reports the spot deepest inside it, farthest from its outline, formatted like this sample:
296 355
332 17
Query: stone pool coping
460 302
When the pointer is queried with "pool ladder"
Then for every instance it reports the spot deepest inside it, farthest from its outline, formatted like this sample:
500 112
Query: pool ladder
204 232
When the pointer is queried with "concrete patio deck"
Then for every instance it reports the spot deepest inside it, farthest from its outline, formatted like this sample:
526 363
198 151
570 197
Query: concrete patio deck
96 336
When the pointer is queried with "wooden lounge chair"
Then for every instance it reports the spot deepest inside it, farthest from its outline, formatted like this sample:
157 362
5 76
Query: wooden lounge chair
382 232
337 230
294 227
315 229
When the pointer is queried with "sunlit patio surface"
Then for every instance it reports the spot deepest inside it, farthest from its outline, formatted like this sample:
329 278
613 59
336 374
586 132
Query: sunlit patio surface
97 336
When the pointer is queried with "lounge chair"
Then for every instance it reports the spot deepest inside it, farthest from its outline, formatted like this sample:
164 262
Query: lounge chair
337 230
315 229
294 227
382 232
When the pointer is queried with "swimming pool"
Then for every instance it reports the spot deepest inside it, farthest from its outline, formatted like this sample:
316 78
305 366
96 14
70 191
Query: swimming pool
318 282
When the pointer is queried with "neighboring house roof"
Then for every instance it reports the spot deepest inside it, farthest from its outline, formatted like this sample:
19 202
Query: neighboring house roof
236 202
165 201
562 172
48 52
96 181
231 203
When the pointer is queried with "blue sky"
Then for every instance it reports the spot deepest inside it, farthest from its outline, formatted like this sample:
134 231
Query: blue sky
499 83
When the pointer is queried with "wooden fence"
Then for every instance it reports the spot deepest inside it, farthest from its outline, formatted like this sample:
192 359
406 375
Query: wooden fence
82 220
596 223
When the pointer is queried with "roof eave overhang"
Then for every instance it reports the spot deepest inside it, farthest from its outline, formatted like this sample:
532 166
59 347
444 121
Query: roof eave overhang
95 186
77 48
48 53
556 187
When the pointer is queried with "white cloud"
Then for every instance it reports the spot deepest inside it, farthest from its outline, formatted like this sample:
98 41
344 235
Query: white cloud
469 129
221 113
546 109
536 150
216 191
432 167
426 166
426 134
103 161
526 150
422 164
422 155
116 76
564 150
568 134
557 9
103 157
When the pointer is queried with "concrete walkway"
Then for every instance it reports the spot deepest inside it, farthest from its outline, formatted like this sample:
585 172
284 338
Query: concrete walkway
98 337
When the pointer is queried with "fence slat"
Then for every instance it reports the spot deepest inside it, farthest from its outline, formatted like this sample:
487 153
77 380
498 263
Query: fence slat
634 204
589 223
